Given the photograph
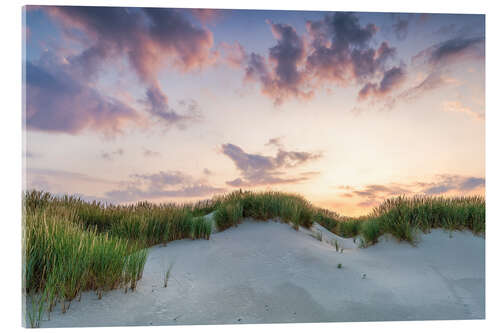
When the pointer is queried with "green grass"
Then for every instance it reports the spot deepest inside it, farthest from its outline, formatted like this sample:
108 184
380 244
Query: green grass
371 231
71 246
166 277
228 215
404 216
200 228
289 208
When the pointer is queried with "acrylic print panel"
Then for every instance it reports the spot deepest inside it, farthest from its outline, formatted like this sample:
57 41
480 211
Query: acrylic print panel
202 166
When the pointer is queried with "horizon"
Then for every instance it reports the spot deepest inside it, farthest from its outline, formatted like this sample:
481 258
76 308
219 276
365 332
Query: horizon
179 105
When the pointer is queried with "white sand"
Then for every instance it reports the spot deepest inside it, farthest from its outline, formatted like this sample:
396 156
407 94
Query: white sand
267 272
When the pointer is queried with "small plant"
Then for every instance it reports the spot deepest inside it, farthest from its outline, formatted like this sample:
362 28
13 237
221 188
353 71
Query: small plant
362 243
318 235
339 266
35 313
167 276
371 231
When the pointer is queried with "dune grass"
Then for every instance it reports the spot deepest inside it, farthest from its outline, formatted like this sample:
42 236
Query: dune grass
289 208
71 246
403 217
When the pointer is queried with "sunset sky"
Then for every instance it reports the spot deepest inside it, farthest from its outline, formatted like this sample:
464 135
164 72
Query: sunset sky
178 105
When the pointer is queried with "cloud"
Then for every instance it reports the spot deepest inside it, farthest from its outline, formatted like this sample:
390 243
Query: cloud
163 184
60 181
401 28
58 102
259 169
340 48
62 174
149 38
280 78
436 59
447 183
451 51
374 191
471 183
447 29
456 48
433 80
277 142
392 79
157 105
286 56
162 178
373 194
336 49
134 194
234 55
150 153
369 62
457 106
207 15
112 154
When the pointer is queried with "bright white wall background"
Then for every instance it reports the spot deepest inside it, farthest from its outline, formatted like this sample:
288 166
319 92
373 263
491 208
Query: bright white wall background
10 302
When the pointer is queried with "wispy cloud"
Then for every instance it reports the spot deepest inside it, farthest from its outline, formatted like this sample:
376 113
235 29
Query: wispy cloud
447 183
61 181
150 153
374 194
112 154
435 61
401 27
163 184
457 106
392 78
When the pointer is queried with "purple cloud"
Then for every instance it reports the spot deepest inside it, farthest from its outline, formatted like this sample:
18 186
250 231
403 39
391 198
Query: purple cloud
111 155
455 48
162 184
149 38
338 51
401 28
57 102
392 79
259 169
374 194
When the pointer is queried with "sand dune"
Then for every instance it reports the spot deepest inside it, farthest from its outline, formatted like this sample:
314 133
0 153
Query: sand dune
267 273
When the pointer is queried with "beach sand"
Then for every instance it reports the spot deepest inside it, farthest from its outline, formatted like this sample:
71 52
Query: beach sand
263 272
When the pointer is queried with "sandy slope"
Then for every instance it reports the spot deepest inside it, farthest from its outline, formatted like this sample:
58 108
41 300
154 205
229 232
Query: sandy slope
267 272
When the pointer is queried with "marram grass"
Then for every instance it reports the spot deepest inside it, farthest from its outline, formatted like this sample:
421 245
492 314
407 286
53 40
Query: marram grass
71 246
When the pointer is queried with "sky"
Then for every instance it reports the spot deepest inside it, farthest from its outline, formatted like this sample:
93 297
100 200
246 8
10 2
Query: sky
179 105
